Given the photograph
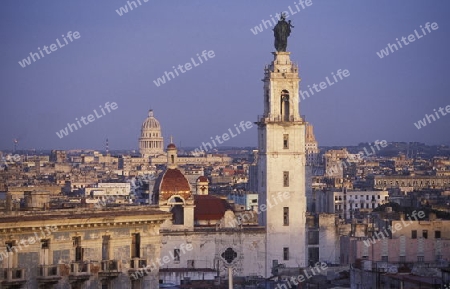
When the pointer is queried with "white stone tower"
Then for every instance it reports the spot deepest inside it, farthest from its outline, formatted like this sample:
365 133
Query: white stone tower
281 166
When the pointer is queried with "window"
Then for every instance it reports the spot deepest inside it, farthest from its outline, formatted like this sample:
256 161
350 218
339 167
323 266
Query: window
384 259
10 246
313 238
414 234
437 234
356 197
176 255
190 264
285 141
105 247
135 245
45 244
286 216
285 254
285 179
378 197
78 248
425 234
367 197
420 258
284 105
402 259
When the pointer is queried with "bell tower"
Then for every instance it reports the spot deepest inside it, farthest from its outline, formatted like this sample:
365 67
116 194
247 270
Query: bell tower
281 166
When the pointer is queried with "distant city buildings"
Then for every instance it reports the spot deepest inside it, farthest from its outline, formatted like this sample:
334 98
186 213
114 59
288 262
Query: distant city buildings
311 146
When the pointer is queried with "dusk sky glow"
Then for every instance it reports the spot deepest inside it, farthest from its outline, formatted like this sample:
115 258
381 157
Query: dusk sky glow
117 58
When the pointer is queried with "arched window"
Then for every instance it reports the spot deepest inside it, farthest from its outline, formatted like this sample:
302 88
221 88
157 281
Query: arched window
284 105
177 211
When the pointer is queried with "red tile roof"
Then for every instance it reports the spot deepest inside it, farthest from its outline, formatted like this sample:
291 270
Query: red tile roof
209 207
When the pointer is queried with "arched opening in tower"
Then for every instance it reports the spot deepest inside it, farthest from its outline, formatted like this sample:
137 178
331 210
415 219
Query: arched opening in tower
284 105
177 212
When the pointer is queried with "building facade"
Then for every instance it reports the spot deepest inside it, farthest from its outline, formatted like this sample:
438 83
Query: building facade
80 248
408 183
347 202
202 228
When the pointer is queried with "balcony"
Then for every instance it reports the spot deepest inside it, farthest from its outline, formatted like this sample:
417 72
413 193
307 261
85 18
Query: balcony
79 271
279 118
137 264
13 278
48 275
109 269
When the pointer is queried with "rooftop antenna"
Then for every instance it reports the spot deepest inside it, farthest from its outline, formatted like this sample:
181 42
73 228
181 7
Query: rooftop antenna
16 142
107 146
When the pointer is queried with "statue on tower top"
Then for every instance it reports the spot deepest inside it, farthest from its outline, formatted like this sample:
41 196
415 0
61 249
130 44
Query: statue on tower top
282 31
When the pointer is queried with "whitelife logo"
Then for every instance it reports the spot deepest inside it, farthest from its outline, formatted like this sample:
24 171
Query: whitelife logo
323 85
411 38
124 9
268 23
27 242
225 136
35 56
162 80
90 118
423 123
380 235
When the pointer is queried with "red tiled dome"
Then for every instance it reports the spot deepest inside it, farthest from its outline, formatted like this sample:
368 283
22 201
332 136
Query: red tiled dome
171 146
172 183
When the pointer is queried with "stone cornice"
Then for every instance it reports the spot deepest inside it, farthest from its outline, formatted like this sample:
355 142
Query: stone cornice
82 220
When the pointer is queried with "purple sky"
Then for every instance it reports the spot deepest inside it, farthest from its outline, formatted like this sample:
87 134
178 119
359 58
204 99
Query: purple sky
117 58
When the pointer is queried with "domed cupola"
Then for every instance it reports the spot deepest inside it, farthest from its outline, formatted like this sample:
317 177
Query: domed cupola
151 142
